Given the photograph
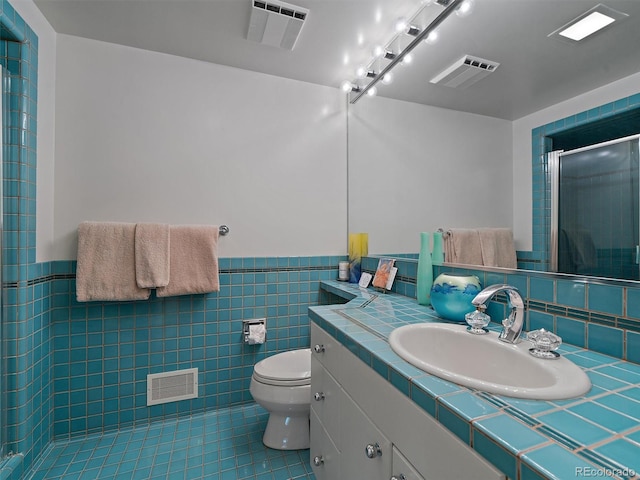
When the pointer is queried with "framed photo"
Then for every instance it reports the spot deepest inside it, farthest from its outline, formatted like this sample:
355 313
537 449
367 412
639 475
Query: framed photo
383 271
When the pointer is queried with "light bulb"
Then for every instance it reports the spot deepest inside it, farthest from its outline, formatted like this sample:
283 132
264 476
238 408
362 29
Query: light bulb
401 25
361 72
372 91
387 79
378 51
346 86
407 59
432 37
465 8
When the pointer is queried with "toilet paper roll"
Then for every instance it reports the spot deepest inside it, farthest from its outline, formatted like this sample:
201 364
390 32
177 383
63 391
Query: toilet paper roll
256 334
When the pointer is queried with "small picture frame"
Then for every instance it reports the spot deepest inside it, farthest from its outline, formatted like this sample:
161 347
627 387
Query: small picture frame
383 272
365 279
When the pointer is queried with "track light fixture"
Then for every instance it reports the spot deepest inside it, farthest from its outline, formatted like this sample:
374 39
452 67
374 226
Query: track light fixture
410 28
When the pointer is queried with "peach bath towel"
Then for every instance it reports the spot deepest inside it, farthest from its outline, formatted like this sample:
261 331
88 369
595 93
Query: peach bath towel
498 249
106 265
193 260
462 245
152 255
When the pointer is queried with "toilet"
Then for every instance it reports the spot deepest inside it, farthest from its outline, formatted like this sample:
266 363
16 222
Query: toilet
282 385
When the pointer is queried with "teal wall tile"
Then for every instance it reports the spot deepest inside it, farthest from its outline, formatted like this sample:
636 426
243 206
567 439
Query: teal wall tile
632 347
606 298
570 293
571 331
633 302
541 289
605 340
538 320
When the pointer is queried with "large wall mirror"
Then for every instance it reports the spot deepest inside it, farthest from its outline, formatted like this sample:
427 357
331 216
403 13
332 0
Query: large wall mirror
424 156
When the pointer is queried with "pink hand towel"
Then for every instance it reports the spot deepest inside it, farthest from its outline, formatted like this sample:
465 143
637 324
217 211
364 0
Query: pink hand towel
106 267
193 260
152 255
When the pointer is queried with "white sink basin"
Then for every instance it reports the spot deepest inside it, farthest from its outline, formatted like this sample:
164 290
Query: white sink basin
485 363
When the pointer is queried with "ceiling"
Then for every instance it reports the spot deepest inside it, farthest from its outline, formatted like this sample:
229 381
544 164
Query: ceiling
535 71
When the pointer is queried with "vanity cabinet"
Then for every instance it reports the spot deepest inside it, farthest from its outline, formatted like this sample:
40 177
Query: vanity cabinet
363 427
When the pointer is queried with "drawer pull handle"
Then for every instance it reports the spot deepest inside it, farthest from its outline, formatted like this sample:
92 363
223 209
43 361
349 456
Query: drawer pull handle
318 349
398 477
373 450
318 396
318 460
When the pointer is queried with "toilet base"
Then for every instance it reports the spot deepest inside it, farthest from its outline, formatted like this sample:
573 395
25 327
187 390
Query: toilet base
285 432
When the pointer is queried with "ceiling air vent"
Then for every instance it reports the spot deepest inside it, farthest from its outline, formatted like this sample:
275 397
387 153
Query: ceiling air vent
466 71
276 23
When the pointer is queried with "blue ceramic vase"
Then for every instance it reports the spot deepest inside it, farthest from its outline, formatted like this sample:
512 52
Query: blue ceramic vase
451 295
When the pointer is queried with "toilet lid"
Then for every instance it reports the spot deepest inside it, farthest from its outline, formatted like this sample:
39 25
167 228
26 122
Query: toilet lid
293 366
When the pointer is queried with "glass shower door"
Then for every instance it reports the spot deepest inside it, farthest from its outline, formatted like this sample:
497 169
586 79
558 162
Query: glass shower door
598 204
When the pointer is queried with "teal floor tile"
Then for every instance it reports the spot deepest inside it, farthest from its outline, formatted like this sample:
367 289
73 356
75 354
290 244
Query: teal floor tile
225 444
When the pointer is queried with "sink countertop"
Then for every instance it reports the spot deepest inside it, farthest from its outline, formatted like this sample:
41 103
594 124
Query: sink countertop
595 435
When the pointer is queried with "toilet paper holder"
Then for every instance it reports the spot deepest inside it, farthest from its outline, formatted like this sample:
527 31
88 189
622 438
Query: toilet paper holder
248 323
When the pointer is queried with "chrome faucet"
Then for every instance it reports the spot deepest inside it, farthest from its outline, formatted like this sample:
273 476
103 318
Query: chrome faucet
513 324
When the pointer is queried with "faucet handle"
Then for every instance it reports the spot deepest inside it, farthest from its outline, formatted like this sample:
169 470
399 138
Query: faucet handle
477 321
544 344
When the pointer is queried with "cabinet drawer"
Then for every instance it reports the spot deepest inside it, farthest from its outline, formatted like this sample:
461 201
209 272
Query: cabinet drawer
326 398
324 450
331 352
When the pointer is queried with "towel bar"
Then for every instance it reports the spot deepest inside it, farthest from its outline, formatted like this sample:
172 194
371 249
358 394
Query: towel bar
223 230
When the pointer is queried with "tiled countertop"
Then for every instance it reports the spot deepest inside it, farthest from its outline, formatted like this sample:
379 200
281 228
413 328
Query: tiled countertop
596 435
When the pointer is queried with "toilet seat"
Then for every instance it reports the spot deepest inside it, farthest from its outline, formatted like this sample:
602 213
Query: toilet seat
285 369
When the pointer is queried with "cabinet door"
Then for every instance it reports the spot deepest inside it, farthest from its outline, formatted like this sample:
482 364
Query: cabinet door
326 398
325 458
365 452
402 469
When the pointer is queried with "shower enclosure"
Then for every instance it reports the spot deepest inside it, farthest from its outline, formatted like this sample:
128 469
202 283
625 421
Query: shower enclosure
4 122
595 204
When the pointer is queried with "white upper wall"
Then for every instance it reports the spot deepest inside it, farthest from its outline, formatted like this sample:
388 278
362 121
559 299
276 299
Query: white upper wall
522 156
149 137
46 125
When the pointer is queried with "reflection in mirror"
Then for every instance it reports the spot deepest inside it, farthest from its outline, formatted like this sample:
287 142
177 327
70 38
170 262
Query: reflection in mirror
475 157
415 168
596 227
